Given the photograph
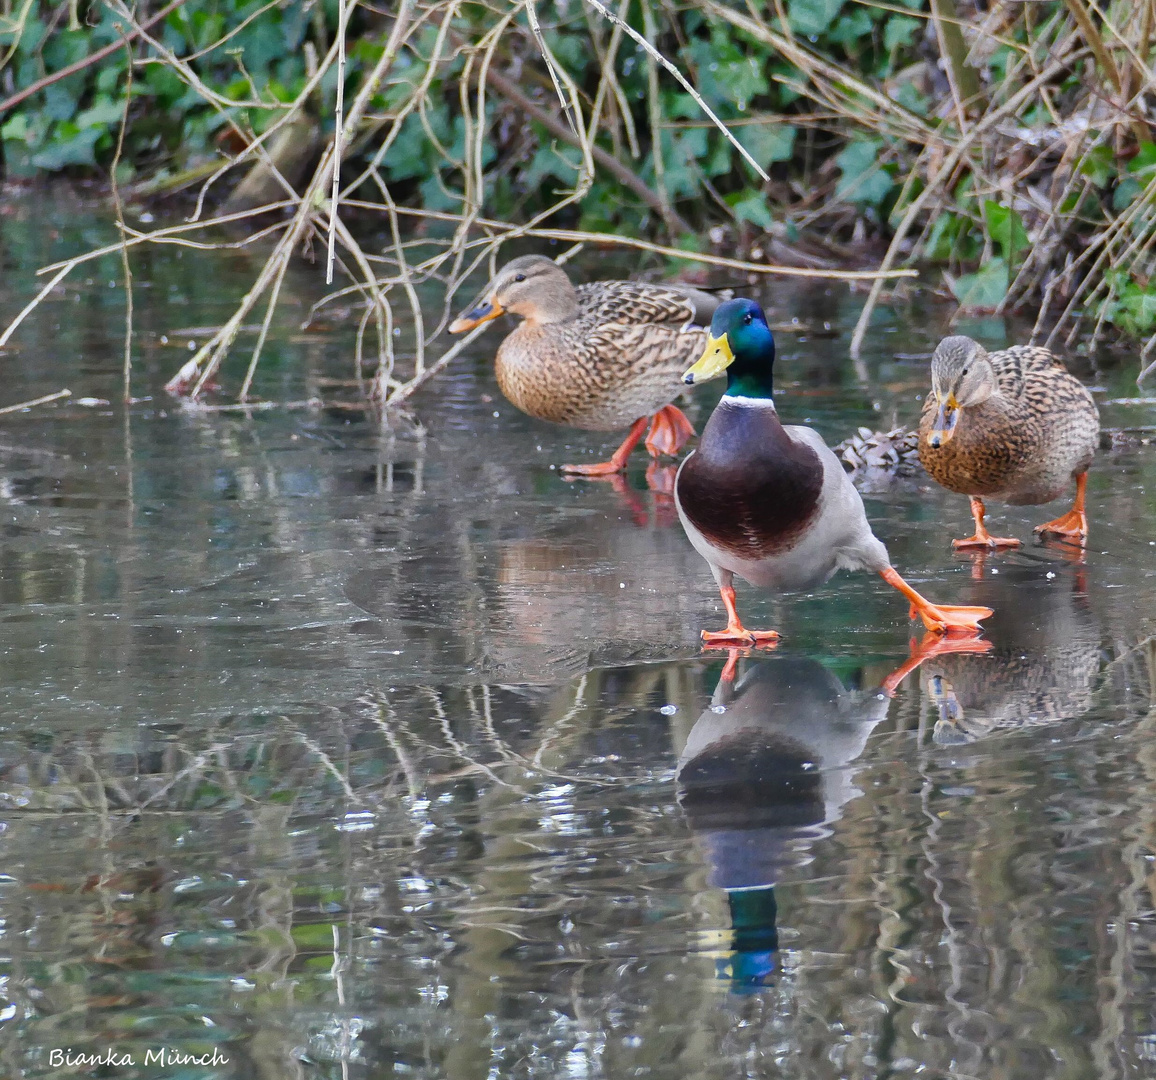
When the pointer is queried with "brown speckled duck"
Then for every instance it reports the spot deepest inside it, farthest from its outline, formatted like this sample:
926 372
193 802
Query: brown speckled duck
600 356
1012 425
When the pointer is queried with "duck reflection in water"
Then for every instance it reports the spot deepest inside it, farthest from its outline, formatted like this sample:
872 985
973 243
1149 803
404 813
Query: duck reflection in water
764 773
1045 663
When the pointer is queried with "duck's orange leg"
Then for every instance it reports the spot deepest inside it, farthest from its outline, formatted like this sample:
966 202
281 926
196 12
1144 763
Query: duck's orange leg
938 618
1074 524
932 645
669 430
617 460
735 633
982 538
730 669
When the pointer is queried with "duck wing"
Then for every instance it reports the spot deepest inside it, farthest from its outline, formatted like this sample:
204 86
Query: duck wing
628 303
1018 367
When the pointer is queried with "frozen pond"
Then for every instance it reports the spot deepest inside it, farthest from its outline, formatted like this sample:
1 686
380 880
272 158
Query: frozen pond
359 753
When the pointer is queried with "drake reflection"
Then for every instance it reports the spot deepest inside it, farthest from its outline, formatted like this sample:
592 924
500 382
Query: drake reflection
762 776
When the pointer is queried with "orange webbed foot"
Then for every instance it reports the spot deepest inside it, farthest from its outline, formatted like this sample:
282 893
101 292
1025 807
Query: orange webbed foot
617 460
1072 526
952 618
983 540
603 468
986 542
660 478
669 430
938 618
739 635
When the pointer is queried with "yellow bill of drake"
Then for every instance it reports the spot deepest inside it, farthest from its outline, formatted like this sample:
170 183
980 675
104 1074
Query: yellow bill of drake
946 417
716 358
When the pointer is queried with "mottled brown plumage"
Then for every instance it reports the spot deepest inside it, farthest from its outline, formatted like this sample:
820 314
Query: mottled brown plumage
1012 425
597 356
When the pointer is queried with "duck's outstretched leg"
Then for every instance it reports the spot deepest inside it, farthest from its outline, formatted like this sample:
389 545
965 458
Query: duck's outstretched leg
731 667
617 460
931 646
735 633
1074 524
982 538
669 430
938 618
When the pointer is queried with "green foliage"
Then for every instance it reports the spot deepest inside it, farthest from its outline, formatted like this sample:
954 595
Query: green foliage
864 180
983 290
1006 228
171 128
812 17
1133 309
73 123
751 206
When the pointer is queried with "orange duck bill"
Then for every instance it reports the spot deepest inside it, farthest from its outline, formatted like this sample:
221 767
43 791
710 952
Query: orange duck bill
482 312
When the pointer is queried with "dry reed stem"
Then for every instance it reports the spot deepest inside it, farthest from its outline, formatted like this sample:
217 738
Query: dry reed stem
338 122
849 105
961 148
20 405
651 51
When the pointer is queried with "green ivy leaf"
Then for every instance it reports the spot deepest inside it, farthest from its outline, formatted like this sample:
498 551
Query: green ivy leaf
852 30
863 181
767 142
104 112
1134 310
1145 158
900 31
1006 228
812 17
751 206
984 289
941 239
1098 165
70 146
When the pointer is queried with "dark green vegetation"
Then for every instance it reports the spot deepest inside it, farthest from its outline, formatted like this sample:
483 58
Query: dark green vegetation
1010 146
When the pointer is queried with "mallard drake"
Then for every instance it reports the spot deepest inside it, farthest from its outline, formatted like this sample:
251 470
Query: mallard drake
1012 425
772 503
599 357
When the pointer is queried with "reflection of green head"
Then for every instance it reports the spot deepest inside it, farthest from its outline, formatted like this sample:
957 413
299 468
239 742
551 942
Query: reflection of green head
755 937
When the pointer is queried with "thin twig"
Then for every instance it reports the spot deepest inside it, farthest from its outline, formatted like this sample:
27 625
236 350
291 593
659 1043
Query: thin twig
650 50
338 124
88 61
36 401
118 206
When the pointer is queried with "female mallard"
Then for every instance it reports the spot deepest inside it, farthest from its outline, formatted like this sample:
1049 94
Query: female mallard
599 356
772 503
1013 425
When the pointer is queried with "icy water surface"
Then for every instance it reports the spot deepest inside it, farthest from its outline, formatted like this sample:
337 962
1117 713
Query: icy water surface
335 752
